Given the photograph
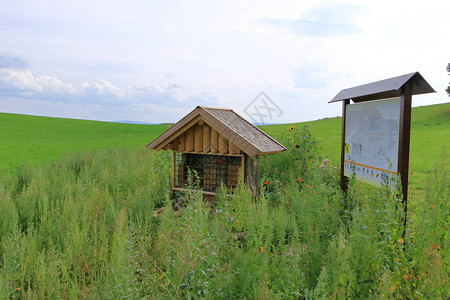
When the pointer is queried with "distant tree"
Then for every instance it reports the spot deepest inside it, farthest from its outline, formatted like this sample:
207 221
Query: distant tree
448 88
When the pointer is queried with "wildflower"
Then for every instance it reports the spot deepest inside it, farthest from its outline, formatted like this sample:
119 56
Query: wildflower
266 183
282 172
299 180
314 193
308 186
291 128
262 249
278 171
397 259
312 161
406 277
18 289
63 228
401 240
433 246
277 181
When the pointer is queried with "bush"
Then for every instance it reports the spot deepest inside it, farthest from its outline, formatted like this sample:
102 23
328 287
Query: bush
101 225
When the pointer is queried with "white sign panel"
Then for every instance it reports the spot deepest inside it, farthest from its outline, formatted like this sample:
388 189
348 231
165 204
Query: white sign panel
371 140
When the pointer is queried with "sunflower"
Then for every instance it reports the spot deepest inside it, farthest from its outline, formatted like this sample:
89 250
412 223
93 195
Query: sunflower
291 128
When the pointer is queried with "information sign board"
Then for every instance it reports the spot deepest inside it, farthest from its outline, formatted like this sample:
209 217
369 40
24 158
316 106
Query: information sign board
372 140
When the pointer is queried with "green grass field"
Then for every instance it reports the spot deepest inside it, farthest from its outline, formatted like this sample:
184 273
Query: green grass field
36 140
99 223
430 134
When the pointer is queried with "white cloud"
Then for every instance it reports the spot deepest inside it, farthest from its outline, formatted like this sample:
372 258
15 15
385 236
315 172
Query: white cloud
25 81
101 87
166 57
21 86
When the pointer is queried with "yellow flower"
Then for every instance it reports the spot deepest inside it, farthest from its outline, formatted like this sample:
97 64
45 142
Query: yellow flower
291 128
401 241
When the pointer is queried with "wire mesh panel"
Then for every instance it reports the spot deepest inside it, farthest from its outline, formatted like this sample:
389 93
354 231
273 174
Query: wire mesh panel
212 170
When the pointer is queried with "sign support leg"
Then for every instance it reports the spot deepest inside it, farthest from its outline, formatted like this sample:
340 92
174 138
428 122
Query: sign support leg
403 147
344 179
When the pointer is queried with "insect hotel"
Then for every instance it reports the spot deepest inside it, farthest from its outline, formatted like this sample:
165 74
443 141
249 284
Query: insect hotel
221 146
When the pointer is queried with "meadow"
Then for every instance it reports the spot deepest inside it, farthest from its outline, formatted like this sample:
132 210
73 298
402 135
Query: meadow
98 223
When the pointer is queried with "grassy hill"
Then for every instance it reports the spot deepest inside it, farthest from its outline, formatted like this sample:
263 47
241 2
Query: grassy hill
37 140
430 134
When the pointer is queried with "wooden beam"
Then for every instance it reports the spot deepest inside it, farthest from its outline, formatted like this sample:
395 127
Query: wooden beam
173 169
206 138
214 141
223 144
181 142
189 140
198 139
232 149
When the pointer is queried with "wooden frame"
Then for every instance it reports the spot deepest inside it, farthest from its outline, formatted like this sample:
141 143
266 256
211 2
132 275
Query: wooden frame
241 169
400 86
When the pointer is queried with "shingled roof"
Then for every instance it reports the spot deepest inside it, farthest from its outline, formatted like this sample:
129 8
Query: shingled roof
248 138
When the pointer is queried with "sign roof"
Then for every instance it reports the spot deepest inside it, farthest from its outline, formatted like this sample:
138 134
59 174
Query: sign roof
386 88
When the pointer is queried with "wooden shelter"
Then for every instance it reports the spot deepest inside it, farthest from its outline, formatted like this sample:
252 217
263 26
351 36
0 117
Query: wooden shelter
219 145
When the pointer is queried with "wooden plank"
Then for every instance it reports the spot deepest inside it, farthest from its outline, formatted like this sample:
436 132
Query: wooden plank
232 149
223 144
198 138
206 138
181 142
214 141
189 143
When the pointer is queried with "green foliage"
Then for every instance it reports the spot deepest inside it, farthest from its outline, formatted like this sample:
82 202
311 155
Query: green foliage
101 225
448 88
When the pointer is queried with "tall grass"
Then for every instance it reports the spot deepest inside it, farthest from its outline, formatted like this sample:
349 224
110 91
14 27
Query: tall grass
86 228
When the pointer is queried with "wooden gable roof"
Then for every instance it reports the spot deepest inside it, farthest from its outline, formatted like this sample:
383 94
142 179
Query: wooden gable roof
216 131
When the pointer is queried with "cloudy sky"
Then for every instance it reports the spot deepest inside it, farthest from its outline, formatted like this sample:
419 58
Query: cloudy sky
154 61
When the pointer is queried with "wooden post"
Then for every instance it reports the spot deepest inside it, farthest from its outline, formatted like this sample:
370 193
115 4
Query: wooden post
403 145
344 179
251 173
173 168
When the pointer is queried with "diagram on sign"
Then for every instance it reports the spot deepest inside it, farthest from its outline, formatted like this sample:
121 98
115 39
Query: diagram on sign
371 140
